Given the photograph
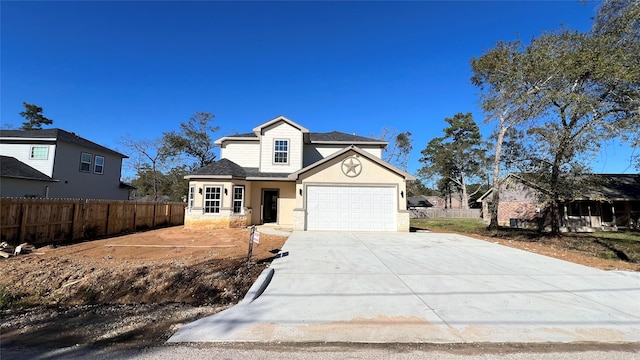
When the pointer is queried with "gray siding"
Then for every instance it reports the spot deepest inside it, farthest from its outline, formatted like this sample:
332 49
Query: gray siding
73 183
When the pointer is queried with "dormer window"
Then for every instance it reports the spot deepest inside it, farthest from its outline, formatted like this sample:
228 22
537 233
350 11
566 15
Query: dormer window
281 151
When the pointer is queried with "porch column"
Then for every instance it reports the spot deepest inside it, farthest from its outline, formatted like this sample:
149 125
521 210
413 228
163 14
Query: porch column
590 222
613 214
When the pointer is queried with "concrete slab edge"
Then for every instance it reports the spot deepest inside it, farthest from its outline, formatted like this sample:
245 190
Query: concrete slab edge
258 286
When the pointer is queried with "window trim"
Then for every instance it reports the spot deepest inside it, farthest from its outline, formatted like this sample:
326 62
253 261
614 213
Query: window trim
241 200
286 152
192 196
90 162
95 165
31 157
213 200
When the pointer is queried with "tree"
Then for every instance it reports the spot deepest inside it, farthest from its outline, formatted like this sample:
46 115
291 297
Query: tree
33 115
579 90
586 96
194 138
149 157
457 156
504 99
617 22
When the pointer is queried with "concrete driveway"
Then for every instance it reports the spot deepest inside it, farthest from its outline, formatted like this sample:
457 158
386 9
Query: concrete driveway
424 287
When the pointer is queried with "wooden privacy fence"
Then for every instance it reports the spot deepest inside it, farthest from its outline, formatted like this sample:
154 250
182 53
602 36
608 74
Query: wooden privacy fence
45 221
446 213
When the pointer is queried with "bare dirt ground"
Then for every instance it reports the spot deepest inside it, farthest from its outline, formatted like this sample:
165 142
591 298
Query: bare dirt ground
134 291
128 291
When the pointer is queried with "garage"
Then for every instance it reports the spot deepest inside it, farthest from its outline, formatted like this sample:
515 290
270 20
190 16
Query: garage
353 207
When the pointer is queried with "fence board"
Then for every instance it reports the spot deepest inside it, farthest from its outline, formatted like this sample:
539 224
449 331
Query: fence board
445 213
45 221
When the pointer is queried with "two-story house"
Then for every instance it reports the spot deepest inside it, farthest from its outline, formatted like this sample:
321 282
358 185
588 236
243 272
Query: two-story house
53 163
284 174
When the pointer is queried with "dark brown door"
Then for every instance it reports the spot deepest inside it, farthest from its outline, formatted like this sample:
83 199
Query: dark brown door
270 206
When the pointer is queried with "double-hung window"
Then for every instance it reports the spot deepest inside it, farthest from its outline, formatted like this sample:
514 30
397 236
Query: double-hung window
99 165
39 153
281 151
192 196
238 199
85 162
212 199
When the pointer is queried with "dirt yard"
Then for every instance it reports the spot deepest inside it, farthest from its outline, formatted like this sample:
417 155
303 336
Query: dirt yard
131 291
134 291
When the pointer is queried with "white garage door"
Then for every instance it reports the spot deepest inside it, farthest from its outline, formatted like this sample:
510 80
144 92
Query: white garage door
351 208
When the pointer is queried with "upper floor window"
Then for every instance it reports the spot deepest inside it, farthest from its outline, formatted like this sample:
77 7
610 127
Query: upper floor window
212 196
39 153
85 162
99 165
238 199
281 152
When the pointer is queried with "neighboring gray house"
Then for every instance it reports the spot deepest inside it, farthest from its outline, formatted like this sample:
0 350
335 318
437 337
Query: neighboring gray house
53 163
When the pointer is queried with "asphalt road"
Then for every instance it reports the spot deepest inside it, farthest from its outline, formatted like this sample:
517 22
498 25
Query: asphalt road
352 351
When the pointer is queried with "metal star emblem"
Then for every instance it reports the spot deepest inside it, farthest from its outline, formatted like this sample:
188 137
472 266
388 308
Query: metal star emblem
351 167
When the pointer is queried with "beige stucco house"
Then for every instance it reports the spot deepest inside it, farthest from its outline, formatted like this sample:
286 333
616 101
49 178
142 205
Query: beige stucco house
283 174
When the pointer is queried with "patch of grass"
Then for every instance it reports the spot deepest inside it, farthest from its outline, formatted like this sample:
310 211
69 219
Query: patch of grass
623 246
468 226
612 245
9 300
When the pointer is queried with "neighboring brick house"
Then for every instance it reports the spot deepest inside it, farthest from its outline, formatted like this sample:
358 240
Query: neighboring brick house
283 174
606 202
53 163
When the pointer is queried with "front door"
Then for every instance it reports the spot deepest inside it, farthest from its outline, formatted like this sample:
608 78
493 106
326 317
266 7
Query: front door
269 206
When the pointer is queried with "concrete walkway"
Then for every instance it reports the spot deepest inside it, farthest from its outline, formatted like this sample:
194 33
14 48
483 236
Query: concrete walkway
424 287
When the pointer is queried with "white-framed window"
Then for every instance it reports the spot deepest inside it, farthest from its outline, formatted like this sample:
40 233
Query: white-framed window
281 151
212 199
238 199
98 167
192 196
85 162
39 153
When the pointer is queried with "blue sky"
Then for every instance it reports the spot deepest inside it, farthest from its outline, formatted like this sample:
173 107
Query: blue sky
108 69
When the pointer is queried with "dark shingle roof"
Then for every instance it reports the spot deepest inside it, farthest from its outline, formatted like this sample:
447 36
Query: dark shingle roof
11 167
340 137
60 135
250 135
226 167
613 186
334 136
222 167
418 201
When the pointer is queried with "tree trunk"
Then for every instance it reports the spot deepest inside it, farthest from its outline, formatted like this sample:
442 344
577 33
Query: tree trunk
495 199
464 201
555 197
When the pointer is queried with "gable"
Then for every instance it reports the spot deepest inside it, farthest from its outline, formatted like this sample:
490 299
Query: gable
260 129
338 168
281 131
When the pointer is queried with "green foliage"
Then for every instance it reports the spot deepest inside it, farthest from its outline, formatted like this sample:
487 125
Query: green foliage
194 138
457 156
566 92
465 226
33 115
8 300
417 187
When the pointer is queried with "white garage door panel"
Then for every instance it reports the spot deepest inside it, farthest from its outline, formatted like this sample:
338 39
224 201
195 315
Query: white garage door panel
351 208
